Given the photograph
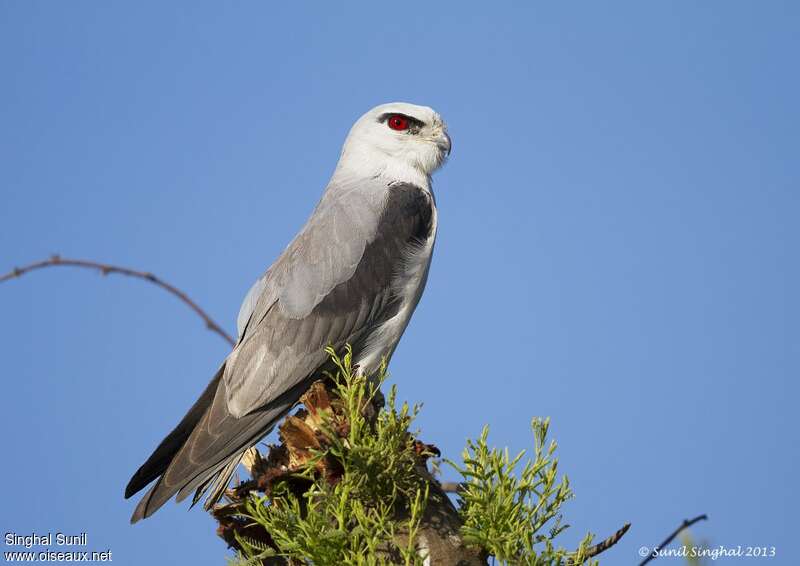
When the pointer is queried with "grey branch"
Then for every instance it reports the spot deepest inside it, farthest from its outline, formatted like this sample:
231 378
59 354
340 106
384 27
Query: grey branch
106 269
450 486
606 544
685 525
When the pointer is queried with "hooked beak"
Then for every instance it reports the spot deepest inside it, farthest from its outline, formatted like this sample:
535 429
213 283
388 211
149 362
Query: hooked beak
445 143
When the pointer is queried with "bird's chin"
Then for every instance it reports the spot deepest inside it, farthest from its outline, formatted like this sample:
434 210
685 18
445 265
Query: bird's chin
442 153
434 155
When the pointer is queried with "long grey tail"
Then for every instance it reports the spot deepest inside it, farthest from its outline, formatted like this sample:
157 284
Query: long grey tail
161 457
202 452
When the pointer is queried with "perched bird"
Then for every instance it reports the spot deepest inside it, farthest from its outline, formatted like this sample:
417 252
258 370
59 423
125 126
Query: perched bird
353 275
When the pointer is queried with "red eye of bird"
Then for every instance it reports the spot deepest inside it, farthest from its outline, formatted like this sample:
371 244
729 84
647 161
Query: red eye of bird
398 122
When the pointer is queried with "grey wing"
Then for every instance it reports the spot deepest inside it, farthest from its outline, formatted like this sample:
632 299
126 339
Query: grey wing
249 304
281 344
331 286
324 254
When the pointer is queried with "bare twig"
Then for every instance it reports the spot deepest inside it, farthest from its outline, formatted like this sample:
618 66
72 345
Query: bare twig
450 486
105 269
685 525
593 551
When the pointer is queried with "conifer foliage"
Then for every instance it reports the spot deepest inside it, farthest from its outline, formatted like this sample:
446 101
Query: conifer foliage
350 484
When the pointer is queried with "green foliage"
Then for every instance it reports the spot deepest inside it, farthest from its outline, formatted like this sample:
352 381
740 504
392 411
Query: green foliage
515 517
372 515
335 526
378 459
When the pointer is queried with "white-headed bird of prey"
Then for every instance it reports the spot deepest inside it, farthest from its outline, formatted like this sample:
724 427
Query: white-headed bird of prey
353 275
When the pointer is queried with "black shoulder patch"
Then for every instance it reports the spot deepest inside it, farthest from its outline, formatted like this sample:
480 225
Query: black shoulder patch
366 300
409 211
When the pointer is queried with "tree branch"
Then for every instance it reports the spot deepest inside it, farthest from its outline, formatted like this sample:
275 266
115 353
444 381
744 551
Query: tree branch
450 486
685 525
606 544
106 269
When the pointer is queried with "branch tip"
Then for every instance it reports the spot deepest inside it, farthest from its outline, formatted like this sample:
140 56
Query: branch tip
685 525
105 269
600 547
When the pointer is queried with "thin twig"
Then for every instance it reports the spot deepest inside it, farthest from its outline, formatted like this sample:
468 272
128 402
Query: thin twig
105 269
593 551
450 486
685 525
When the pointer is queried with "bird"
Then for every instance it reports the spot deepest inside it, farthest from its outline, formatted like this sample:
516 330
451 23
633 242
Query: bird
352 276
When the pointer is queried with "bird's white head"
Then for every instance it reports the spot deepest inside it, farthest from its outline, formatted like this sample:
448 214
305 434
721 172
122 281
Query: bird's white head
397 141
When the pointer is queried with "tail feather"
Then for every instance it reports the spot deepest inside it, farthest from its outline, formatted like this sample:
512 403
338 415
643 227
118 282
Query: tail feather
161 457
219 485
209 454
215 485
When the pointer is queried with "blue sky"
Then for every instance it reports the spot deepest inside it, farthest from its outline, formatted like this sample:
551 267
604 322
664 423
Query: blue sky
618 235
